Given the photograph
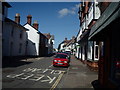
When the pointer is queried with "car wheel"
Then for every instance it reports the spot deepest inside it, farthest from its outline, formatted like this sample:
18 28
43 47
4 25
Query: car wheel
54 65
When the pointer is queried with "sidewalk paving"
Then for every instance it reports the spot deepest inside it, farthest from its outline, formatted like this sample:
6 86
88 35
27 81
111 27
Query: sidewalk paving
78 76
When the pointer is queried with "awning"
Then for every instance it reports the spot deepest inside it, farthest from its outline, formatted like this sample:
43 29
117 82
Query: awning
109 15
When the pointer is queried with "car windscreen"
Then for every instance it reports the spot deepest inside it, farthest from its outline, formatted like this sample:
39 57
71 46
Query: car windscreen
68 53
61 56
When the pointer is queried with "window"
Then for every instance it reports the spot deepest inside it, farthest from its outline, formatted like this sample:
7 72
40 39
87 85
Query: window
96 54
115 62
11 48
33 43
12 31
21 34
20 48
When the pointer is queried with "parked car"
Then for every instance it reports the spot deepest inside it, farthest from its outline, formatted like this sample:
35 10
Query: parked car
68 53
61 59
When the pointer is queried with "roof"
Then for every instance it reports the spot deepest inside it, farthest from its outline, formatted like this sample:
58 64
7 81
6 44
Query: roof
6 4
11 21
69 41
47 35
66 42
31 26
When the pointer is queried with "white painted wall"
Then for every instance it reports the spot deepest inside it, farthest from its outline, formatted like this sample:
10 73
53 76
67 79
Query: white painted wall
90 14
97 11
33 40
93 13
13 50
78 37
61 46
90 50
77 52
83 53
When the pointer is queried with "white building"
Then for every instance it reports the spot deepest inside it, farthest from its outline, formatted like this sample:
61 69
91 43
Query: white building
70 46
67 45
89 13
33 37
14 37
61 47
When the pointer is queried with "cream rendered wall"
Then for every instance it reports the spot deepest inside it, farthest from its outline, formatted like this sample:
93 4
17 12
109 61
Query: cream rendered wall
33 38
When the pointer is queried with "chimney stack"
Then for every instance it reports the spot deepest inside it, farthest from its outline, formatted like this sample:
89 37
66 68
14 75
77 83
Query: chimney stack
65 39
48 35
29 19
17 18
73 37
35 25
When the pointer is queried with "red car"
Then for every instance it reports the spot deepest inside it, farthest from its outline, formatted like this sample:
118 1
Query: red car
61 59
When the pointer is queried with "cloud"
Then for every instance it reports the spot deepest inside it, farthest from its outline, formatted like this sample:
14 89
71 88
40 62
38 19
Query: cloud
65 11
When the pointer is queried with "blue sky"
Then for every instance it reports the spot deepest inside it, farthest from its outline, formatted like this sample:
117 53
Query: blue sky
57 18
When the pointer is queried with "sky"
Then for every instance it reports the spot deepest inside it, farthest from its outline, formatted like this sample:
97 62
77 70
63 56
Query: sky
57 18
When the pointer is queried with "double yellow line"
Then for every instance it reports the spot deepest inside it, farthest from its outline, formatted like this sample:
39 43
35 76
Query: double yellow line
57 81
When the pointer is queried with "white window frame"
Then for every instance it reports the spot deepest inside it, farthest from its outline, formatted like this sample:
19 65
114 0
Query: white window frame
95 52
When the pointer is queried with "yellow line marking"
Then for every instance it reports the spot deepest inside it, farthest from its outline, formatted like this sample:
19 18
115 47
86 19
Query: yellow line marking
57 81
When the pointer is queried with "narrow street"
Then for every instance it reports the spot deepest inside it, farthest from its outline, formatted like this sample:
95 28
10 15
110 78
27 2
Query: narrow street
39 73
38 37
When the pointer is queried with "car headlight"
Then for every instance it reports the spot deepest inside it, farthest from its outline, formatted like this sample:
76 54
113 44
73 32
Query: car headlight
65 61
55 60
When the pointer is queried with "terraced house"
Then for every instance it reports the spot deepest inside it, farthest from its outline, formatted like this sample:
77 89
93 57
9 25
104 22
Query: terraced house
87 51
33 37
14 35
67 45
98 41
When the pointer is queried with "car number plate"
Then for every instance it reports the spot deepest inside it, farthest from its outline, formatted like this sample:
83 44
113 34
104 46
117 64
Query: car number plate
60 63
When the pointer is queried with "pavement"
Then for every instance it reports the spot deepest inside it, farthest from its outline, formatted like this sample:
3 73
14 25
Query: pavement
78 76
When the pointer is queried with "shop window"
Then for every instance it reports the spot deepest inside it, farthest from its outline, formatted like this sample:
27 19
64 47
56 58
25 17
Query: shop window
115 62
96 54
90 50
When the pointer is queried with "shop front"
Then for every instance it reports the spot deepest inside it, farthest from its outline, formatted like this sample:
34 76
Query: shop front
106 33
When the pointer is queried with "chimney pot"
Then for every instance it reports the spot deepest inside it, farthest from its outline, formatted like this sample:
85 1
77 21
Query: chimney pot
17 14
17 18
65 39
29 19
35 25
